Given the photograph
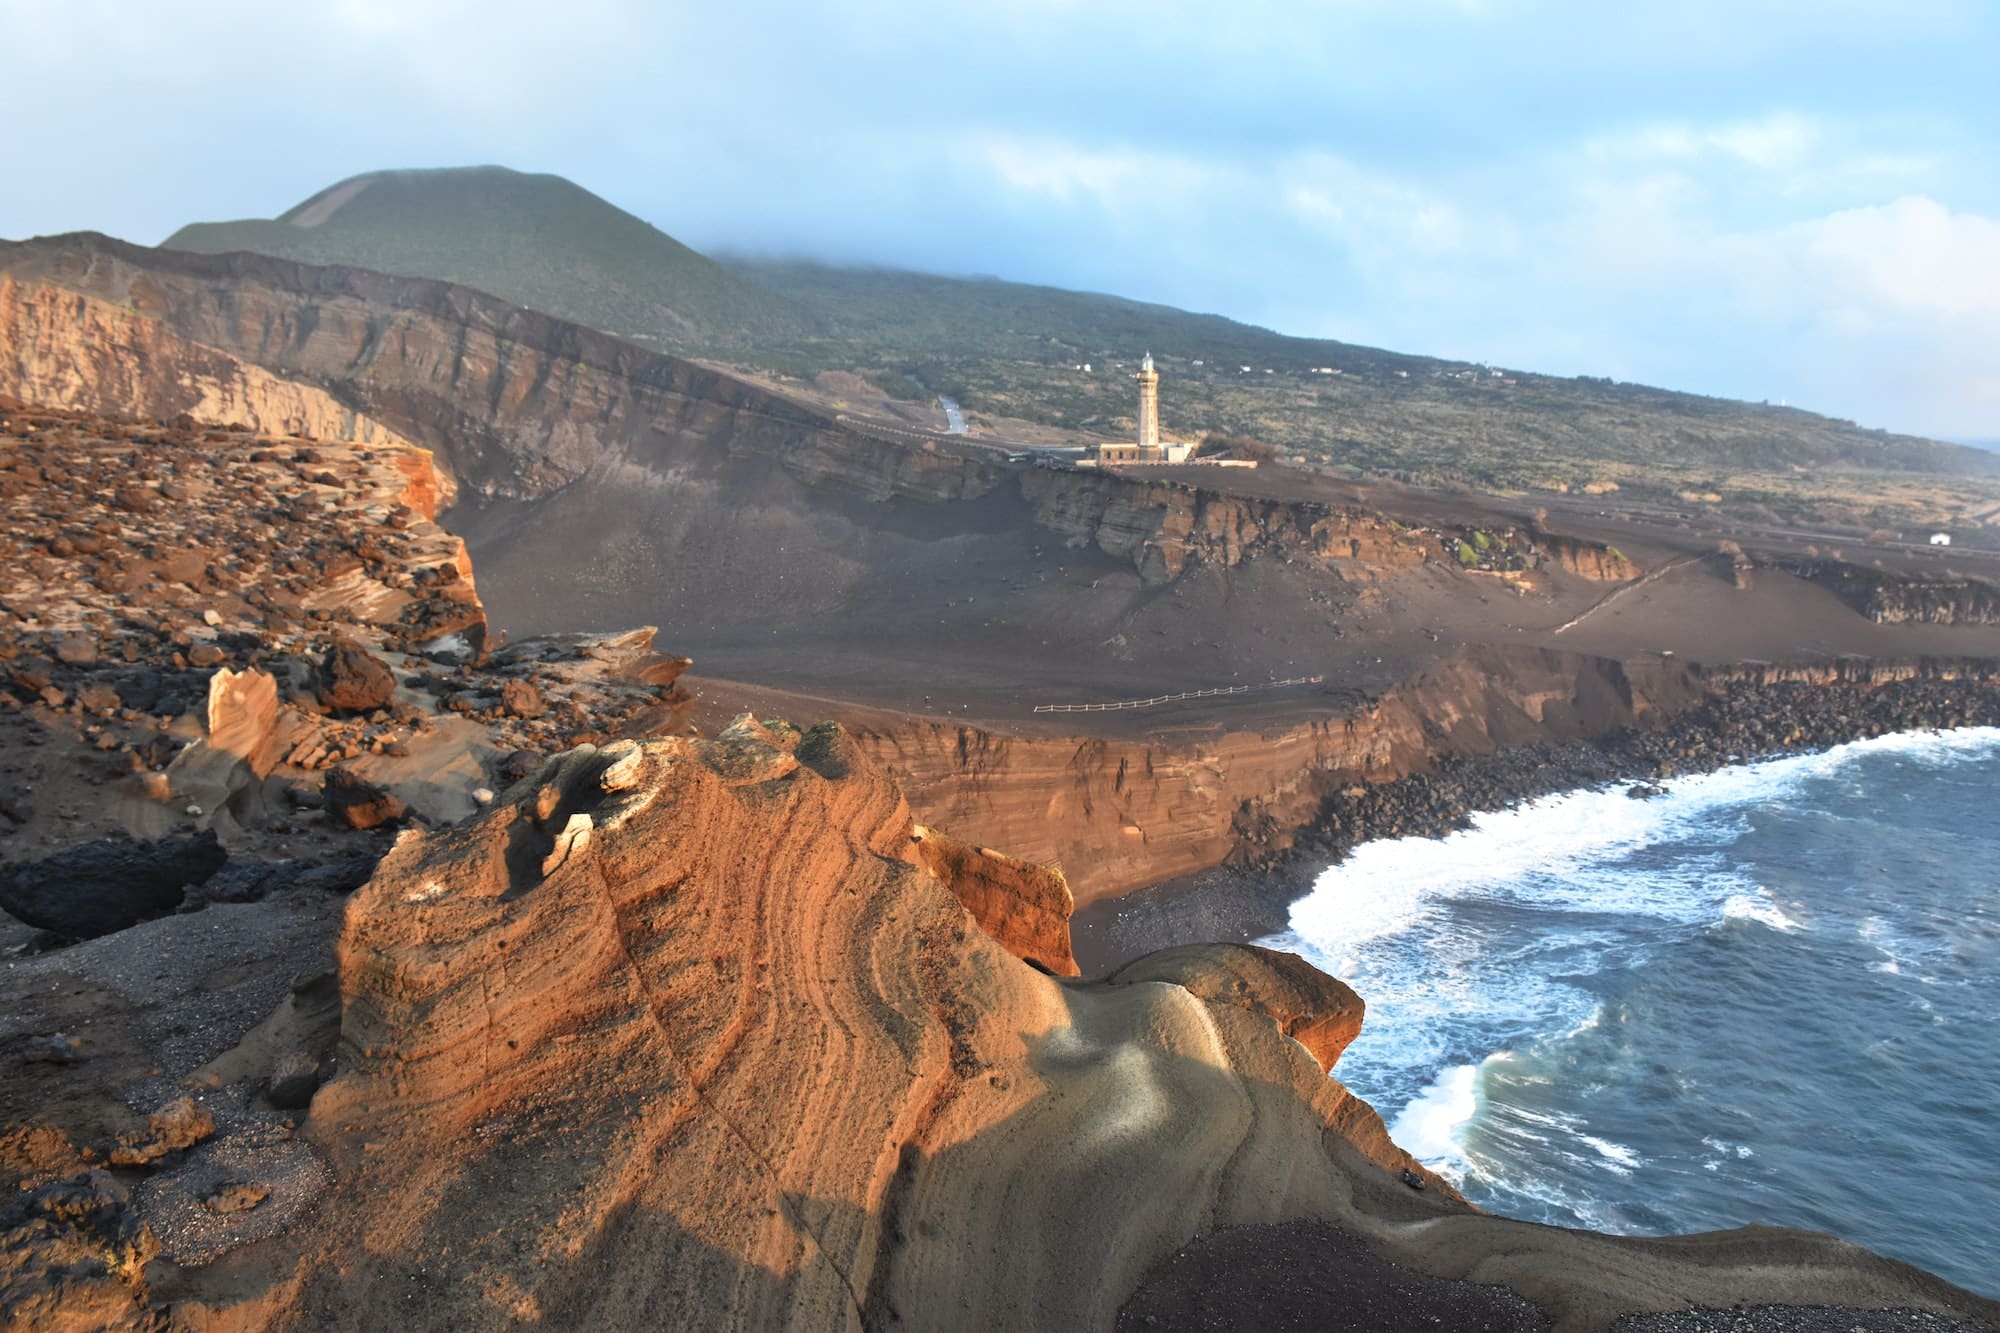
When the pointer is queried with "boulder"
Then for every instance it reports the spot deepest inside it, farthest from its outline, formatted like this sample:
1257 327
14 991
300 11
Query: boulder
343 874
242 710
354 802
177 1125
520 698
1026 907
353 680
294 1080
76 649
108 884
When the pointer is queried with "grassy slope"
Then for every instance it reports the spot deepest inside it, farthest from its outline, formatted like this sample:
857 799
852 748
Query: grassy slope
538 241
1007 350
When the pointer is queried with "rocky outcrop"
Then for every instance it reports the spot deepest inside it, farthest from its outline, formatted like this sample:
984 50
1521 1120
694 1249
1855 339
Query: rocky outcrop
1025 907
1319 1013
64 349
1586 559
677 1035
1897 599
1119 814
668 1017
98 887
353 680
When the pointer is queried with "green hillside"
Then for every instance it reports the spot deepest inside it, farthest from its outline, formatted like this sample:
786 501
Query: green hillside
535 240
1013 350
894 312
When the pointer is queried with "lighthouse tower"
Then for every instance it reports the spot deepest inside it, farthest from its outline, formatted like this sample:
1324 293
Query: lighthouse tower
1149 408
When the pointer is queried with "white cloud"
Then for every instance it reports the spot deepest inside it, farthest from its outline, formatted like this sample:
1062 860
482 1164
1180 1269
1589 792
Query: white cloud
1912 255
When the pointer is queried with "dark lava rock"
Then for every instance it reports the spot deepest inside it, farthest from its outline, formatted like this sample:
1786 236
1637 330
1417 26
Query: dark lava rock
355 802
139 689
1309 1275
294 1080
342 875
107 884
54 1049
15 807
244 880
520 765
354 680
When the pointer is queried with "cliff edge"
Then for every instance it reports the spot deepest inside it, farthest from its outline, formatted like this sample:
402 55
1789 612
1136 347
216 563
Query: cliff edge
680 1033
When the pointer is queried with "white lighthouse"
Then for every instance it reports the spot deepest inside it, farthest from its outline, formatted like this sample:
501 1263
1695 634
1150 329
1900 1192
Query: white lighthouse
1148 447
1149 405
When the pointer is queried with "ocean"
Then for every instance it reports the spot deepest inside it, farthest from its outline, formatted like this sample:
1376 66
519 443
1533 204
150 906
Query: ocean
1770 995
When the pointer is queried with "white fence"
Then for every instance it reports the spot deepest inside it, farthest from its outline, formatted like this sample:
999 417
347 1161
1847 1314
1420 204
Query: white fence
1176 698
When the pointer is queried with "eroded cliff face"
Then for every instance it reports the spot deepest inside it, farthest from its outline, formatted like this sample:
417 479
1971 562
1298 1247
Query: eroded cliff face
1888 599
1120 814
518 405
64 349
678 1035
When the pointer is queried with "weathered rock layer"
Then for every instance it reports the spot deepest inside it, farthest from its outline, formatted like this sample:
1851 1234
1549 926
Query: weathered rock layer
677 1035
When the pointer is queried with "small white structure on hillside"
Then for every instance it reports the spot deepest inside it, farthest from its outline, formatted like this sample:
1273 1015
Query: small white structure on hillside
1940 539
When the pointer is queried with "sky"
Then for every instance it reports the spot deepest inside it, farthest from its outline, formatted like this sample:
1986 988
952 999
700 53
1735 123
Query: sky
1791 200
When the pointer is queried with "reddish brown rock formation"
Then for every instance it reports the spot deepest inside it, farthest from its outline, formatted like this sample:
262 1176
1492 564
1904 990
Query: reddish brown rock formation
1117 814
674 1036
1024 906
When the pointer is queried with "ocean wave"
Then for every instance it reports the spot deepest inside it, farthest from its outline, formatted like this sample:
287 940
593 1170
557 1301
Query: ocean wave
1758 907
1428 1127
1409 922
1562 851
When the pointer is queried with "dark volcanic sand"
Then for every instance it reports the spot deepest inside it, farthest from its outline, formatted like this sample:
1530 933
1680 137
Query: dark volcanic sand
1308 1275
1312 1276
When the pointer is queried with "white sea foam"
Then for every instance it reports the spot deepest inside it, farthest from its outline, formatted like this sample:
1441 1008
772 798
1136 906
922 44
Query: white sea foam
1428 1127
1621 1158
1757 907
1408 922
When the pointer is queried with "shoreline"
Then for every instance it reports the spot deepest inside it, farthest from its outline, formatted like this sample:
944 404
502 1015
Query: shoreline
1746 721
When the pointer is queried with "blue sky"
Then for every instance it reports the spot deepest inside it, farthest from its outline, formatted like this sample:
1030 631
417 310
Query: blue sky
1778 199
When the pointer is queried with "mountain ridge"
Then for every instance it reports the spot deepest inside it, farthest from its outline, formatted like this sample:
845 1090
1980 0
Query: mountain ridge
534 239
1049 358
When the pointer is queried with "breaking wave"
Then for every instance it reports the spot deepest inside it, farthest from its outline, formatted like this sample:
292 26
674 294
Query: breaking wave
1626 1013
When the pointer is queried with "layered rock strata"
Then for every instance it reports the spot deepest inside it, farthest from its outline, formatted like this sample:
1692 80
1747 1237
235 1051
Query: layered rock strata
678 1034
